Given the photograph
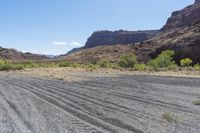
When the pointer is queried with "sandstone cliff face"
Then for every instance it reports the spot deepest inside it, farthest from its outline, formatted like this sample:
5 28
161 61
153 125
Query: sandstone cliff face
100 38
181 34
16 56
196 1
186 17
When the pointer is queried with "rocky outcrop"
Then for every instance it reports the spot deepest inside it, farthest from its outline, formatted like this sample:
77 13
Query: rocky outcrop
96 54
122 37
181 34
16 56
186 17
197 1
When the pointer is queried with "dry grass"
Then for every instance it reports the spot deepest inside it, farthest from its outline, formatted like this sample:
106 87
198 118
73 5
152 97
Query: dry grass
71 74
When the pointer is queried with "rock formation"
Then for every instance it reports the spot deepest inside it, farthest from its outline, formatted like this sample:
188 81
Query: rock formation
181 34
186 17
196 1
100 38
16 56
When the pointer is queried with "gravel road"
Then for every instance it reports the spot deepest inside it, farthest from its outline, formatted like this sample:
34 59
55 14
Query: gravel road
104 104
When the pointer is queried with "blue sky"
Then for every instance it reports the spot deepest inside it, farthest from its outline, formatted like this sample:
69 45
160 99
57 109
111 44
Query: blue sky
56 26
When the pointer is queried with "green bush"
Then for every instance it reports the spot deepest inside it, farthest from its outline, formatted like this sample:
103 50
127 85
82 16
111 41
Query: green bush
8 65
164 60
196 102
197 67
92 66
65 64
104 63
29 64
153 64
170 117
140 67
186 62
17 67
75 65
128 60
2 63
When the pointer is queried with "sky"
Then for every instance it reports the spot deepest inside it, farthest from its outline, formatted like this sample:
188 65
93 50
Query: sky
54 27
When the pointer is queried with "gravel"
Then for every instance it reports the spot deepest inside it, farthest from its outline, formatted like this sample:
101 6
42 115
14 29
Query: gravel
103 104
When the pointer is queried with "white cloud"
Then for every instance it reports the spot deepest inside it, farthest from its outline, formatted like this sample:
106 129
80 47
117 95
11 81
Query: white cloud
75 44
60 43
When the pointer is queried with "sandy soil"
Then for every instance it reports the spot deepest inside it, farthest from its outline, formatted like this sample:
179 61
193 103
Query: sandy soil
71 74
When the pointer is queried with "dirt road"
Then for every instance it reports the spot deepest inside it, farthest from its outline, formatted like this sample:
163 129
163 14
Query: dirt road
103 104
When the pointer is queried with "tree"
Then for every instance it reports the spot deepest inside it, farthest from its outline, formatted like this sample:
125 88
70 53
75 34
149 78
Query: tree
128 60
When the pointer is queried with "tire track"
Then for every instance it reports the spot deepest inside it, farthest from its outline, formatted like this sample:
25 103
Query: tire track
93 100
67 94
99 105
62 105
122 82
81 115
143 114
110 105
18 113
137 98
56 86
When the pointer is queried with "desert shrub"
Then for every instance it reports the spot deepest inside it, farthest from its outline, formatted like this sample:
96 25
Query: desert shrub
104 63
164 60
92 66
169 117
75 65
64 64
196 102
197 67
173 67
16 67
140 67
29 64
153 64
186 62
2 63
114 66
7 65
128 60
94 61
